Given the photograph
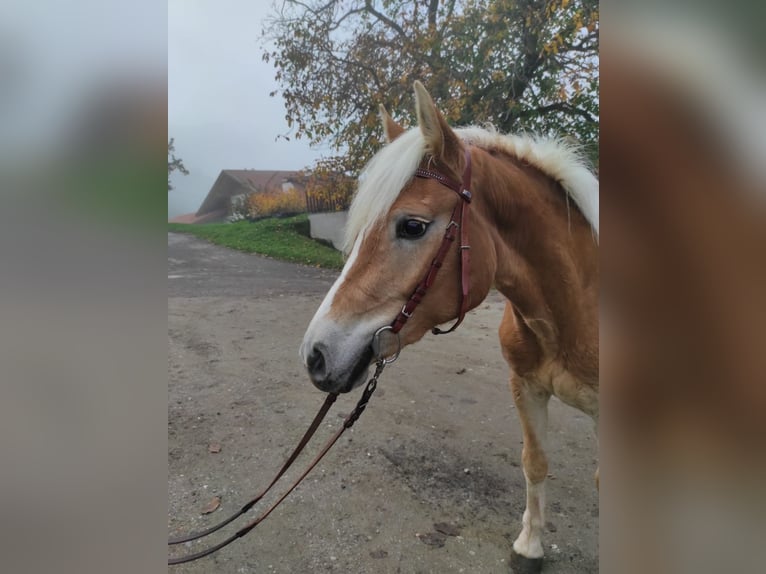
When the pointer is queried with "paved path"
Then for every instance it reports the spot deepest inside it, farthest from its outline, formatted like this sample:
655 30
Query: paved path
197 268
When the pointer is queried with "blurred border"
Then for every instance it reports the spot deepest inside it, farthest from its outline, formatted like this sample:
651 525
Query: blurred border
83 110
83 292
684 278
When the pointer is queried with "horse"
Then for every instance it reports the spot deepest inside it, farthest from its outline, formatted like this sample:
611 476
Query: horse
533 235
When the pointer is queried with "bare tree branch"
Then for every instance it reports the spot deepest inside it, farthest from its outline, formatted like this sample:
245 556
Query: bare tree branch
346 15
450 10
383 18
560 107
433 8
588 43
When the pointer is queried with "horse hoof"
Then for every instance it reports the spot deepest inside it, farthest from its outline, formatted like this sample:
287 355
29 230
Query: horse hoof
523 565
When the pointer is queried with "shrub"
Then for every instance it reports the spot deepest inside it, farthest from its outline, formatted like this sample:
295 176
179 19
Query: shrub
275 202
328 187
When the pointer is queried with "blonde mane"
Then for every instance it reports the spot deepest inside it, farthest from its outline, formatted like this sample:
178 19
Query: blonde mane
393 167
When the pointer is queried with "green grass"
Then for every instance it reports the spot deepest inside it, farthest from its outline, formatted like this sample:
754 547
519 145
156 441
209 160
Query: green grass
285 239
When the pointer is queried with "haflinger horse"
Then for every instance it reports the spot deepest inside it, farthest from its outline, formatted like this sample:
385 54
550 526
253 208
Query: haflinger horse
533 235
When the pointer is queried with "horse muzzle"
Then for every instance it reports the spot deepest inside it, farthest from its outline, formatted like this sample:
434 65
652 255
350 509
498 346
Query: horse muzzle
331 376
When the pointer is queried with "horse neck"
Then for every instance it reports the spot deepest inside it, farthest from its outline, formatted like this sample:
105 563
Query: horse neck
547 260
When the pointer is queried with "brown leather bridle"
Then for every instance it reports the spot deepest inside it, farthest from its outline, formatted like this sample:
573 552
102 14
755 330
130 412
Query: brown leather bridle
458 220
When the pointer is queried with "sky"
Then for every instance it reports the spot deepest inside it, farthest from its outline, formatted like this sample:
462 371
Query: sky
219 110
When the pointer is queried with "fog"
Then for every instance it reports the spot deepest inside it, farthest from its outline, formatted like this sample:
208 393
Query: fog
219 109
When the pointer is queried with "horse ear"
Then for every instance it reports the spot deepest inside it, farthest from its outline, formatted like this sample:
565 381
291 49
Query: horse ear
441 141
391 129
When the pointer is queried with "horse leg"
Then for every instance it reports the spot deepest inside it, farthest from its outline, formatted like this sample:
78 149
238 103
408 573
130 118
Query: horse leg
532 405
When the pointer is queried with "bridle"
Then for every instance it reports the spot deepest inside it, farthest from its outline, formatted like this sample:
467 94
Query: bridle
458 220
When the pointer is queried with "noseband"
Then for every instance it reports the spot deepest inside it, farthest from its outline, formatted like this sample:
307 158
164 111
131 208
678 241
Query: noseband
458 220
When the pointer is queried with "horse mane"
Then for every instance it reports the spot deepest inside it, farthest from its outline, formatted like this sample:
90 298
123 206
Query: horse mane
389 171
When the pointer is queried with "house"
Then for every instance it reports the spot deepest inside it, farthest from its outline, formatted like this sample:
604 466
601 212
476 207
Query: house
234 185
327 198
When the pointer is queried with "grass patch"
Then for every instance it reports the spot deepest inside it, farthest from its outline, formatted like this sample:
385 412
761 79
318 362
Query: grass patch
285 239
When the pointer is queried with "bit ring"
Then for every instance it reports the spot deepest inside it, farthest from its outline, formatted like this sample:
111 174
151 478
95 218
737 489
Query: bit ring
376 346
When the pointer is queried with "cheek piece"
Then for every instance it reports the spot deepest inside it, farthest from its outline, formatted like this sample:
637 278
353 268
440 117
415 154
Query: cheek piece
458 221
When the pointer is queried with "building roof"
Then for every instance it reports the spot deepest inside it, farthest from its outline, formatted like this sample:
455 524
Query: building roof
260 180
232 182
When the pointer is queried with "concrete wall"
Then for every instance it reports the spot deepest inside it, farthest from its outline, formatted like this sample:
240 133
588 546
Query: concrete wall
329 226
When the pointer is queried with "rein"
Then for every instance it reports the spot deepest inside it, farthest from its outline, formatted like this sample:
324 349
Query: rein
351 418
458 220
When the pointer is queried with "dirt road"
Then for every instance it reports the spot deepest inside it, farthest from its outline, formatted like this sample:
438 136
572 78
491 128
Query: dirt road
439 442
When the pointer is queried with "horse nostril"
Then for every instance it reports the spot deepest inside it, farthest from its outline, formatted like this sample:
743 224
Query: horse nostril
316 363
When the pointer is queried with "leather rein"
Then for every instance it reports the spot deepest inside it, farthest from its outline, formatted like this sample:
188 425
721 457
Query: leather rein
458 221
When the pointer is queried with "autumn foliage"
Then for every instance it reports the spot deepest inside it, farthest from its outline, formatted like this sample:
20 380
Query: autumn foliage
522 65
328 188
275 202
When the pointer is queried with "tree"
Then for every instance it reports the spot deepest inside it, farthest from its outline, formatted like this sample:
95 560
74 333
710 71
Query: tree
329 185
174 163
523 65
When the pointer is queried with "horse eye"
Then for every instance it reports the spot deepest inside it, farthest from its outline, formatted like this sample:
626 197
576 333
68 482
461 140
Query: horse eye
411 228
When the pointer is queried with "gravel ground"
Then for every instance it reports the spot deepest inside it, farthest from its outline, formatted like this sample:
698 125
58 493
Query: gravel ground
428 481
